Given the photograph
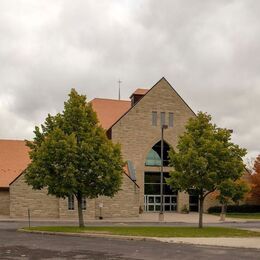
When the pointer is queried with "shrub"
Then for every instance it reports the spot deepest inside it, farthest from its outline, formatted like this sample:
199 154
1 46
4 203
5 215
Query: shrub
236 209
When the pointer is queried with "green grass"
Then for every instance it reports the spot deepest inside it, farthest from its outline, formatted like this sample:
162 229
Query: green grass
155 231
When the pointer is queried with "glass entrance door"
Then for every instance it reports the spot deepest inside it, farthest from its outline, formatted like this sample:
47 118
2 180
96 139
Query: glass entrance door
153 203
152 198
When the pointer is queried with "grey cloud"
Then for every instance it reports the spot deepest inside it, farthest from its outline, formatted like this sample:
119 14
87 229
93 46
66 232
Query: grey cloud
208 50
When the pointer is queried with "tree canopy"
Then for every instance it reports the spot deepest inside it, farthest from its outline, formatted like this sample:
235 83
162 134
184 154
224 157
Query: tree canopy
205 158
71 155
255 179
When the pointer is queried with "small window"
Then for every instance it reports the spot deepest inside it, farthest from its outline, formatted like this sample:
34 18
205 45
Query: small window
170 119
154 118
84 203
71 202
162 118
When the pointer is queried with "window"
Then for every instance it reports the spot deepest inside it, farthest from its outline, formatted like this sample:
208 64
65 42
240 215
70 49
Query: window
170 119
84 203
162 118
71 202
154 156
154 118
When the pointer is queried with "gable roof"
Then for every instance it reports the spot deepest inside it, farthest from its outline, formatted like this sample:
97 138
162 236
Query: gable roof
14 159
109 110
146 92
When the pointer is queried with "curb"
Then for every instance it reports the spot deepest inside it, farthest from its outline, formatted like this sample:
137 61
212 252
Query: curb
134 238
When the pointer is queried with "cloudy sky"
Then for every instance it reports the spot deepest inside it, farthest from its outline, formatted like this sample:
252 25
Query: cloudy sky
208 50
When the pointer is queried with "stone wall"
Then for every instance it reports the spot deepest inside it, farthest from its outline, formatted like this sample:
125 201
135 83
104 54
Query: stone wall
124 204
4 202
210 201
65 213
136 134
23 197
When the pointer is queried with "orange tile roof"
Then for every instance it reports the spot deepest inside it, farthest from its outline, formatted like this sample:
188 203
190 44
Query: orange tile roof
109 110
14 159
140 91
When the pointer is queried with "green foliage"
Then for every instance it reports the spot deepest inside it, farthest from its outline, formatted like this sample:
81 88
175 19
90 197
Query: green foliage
71 155
205 157
232 191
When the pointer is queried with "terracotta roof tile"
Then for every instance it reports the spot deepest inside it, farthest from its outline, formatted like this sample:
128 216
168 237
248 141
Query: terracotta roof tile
14 159
109 110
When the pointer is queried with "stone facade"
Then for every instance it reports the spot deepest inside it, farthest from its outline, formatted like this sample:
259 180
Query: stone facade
124 204
136 134
142 135
22 197
4 202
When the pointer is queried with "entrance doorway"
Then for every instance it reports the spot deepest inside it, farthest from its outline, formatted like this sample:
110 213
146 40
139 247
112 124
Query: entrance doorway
193 201
152 198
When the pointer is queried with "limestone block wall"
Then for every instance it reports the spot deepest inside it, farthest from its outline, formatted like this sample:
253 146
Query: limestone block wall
65 213
210 201
183 200
23 197
136 134
124 204
4 202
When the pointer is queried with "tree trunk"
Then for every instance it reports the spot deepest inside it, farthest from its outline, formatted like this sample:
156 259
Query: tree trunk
201 199
80 211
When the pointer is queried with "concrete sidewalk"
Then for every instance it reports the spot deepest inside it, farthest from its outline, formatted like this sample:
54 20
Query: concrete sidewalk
191 218
243 242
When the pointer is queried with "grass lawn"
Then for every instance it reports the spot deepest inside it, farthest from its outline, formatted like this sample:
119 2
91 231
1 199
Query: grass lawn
155 231
241 215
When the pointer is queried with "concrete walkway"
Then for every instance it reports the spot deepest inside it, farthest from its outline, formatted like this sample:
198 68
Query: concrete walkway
192 218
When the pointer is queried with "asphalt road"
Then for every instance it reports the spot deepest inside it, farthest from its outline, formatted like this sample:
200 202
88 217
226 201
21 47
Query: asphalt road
18 245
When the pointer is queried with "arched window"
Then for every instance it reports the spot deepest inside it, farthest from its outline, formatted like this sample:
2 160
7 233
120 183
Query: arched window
154 156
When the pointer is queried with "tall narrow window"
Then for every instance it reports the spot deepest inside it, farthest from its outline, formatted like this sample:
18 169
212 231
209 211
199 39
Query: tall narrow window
154 118
71 202
84 203
162 118
170 119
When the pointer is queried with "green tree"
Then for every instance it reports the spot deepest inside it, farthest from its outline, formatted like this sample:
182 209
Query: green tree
72 156
230 191
205 157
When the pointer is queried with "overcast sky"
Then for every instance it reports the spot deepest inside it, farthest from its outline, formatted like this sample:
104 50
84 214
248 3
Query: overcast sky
208 50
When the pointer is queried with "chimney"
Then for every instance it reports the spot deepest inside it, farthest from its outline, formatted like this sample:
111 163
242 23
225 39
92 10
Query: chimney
137 95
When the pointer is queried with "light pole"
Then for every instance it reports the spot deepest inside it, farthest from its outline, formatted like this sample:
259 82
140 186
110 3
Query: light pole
161 216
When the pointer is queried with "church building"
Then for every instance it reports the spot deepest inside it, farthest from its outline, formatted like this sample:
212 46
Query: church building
137 124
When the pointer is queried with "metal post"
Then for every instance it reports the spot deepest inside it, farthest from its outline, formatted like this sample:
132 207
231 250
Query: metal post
161 216
29 218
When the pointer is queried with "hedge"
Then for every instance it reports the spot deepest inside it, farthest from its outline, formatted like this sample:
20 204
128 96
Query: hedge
236 209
